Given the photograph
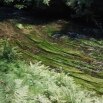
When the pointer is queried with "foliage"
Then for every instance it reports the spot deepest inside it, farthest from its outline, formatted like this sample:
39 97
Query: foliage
8 52
81 7
36 84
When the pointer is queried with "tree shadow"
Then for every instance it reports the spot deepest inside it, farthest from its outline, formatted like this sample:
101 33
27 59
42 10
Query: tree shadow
79 28
75 28
37 16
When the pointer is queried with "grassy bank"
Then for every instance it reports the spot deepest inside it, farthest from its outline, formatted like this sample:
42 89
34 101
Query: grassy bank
36 83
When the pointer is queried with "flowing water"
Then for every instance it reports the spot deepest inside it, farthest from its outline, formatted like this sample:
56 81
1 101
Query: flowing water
80 57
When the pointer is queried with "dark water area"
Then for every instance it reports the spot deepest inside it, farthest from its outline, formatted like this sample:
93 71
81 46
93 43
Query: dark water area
81 25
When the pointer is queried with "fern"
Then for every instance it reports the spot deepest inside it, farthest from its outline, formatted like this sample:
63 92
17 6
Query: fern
36 84
46 1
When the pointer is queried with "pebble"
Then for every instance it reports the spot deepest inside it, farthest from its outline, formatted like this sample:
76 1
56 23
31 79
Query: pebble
57 35
76 35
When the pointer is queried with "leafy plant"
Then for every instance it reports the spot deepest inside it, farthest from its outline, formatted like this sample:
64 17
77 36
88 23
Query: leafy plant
9 53
36 84
81 7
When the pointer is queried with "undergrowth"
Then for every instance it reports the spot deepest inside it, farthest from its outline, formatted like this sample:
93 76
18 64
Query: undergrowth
34 83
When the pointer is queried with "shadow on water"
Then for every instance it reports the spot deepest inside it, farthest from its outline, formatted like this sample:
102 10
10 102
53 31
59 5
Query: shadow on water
75 28
82 29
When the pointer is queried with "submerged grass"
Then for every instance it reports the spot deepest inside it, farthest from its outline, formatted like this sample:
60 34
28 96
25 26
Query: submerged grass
77 63
83 59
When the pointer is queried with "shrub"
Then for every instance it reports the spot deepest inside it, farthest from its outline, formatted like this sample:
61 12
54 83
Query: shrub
7 52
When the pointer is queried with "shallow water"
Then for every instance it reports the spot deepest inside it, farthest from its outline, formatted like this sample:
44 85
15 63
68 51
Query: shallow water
82 58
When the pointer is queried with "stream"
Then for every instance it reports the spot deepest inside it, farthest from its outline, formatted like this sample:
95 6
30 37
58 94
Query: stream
61 44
